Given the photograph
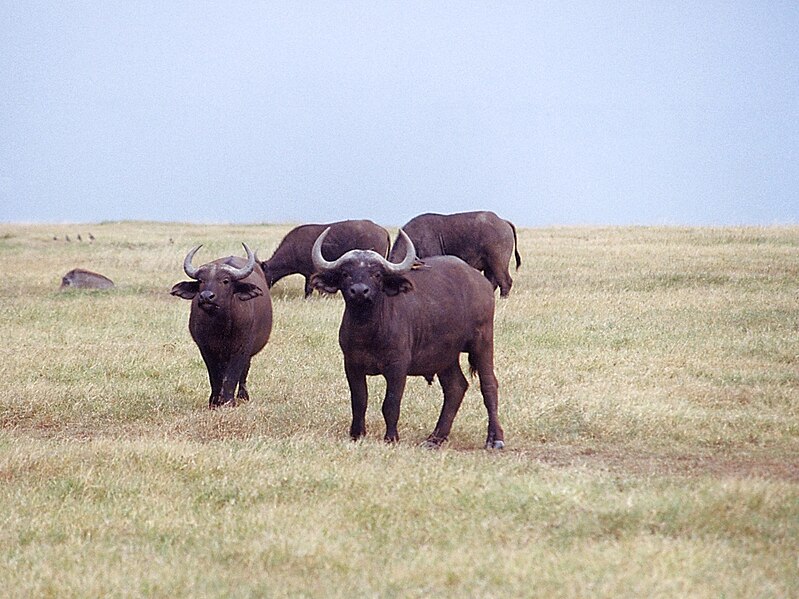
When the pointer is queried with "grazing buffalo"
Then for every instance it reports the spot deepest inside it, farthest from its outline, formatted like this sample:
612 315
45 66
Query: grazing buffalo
293 255
481 239
230 321
77 278
412 319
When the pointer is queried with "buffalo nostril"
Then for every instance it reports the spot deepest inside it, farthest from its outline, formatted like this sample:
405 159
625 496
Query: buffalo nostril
359 291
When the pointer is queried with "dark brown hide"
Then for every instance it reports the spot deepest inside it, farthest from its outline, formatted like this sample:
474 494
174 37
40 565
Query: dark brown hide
415 324
293 254
78 278
230 322
481 239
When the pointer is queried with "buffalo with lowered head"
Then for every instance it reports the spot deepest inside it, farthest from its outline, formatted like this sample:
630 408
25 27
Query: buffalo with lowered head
410 319
481 239
230 320
293 254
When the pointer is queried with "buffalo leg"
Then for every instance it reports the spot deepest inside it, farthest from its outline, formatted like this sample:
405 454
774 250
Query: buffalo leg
489 274
489 387
214 378
497 265
216 388
454 385
308 287
395 387
359 395
233 372
505 285
501 277
242 393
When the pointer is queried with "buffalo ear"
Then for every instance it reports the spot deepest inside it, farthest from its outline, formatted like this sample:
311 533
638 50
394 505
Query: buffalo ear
396 284
186 289
325 282
246 291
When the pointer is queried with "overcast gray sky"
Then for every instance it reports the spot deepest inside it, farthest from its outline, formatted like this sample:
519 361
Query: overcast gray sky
549 113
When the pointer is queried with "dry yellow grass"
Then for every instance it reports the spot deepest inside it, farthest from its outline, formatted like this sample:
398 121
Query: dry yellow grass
649 393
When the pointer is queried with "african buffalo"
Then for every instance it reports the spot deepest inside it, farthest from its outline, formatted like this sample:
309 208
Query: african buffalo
293 255
230 321
412 319
77 278
481 239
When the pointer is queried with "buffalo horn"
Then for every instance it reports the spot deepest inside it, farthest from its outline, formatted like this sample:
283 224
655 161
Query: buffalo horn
244 271
321 265
407 262
318 260
187 267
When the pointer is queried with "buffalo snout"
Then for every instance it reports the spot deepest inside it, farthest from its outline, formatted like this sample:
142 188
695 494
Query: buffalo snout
206 300
359 292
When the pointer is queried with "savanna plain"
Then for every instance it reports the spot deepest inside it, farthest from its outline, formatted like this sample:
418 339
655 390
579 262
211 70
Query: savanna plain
649 391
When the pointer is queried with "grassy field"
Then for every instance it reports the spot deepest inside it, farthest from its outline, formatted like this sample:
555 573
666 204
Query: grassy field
649 391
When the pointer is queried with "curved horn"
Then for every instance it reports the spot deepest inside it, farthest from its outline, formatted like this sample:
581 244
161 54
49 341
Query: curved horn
244 271
187 267
319 262
407 263
321 265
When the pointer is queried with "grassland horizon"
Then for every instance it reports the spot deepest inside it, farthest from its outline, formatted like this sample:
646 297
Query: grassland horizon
649 391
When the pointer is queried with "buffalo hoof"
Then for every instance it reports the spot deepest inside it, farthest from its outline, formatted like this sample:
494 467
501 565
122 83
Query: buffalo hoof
496 444
433 443
220 403
357 431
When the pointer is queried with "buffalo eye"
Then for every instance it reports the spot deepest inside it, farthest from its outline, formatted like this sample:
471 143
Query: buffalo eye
226 281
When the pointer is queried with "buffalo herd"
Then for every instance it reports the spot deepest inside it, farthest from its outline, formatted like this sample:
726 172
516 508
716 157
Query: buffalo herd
410 309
